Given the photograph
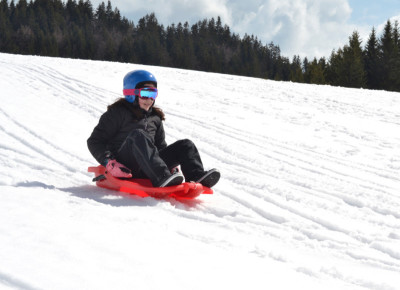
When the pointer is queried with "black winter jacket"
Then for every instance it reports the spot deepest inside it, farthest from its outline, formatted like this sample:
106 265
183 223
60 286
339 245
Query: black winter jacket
118 122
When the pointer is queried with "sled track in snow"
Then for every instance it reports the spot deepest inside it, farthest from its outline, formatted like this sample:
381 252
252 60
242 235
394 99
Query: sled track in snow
268 151
313 165
281 152
74 91
42 149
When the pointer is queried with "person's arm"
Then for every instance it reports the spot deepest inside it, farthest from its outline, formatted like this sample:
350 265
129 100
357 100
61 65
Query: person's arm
160 137
105 130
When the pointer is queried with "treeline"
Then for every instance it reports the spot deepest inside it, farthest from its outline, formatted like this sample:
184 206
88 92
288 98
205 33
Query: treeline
76 30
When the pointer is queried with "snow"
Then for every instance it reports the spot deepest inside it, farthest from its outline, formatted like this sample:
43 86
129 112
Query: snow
309 196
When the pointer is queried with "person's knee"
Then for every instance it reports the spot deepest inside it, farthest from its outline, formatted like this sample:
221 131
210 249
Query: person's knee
186 143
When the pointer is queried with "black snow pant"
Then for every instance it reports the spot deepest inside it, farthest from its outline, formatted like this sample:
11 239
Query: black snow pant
140 155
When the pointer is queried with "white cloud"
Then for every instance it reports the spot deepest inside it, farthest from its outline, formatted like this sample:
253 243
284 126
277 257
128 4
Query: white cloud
381 27
175 11
305 27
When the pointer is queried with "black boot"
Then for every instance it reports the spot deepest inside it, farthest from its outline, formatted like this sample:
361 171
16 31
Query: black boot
174 179
210 178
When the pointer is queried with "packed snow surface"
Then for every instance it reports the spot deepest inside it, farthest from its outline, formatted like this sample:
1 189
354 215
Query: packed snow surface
309 196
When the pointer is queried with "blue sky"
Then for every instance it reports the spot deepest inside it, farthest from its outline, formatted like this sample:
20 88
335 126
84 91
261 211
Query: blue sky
311 28
373 13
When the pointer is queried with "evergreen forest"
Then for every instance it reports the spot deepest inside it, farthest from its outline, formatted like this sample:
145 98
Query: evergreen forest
75 29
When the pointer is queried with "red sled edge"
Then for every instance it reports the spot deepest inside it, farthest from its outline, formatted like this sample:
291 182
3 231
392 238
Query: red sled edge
144 188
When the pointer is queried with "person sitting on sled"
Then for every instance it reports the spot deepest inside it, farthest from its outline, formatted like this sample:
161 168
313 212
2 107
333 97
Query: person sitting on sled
129 139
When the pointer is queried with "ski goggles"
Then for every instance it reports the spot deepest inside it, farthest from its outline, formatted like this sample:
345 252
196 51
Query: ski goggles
143 93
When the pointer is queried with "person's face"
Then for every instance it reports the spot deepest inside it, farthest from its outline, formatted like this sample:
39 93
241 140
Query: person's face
146 104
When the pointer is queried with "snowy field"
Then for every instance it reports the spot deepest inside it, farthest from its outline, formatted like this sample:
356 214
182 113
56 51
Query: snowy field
309 196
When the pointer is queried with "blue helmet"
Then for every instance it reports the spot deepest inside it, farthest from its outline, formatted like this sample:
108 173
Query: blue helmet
133 80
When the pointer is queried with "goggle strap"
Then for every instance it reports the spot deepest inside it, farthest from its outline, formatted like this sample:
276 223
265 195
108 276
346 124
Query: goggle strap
134 92
129 92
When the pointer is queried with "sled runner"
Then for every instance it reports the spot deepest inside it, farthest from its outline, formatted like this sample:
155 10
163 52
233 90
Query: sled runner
144 188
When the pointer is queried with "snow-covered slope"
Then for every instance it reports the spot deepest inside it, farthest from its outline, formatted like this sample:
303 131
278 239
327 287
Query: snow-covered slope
309 196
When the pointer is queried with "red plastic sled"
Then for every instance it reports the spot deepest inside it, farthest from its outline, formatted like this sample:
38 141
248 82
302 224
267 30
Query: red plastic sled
144 188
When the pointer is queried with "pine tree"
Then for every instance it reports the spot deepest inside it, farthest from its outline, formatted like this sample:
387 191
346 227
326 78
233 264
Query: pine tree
315 72
346 66
354 63
371 61
150 46
296 72
5 26
100 14
396 57
387 58
189 55
335 69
